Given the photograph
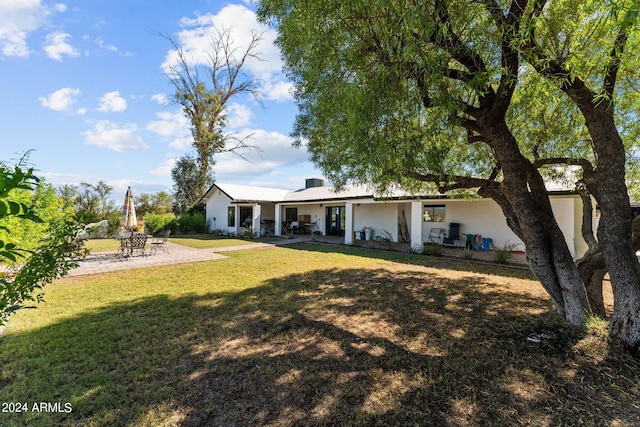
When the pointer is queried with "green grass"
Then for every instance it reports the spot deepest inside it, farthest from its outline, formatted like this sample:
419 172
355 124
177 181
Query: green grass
198 241
311 335
205 241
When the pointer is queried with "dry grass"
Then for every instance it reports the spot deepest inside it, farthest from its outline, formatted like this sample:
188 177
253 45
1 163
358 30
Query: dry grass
314 336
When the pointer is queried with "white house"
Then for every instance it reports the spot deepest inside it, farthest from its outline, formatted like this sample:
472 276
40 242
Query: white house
416 220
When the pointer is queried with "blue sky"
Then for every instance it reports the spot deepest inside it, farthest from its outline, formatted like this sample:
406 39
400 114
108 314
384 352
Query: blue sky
83 85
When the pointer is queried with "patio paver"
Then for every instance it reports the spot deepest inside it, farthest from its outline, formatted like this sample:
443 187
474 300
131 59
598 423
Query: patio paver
103 262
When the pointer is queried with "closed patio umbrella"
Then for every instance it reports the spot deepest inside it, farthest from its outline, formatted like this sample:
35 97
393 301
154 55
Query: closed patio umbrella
128 219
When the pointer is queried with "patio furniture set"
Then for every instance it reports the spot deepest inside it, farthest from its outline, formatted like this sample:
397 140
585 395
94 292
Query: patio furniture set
453 238
132 242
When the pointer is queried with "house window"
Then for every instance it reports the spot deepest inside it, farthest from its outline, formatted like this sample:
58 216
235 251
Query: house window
246 216
291 214
231 216
434 213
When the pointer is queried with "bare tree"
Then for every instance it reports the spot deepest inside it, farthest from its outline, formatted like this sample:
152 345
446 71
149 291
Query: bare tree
205 100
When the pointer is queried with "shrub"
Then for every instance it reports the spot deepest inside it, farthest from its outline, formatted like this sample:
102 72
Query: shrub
155 223
503 254
196 223
114 223
432 250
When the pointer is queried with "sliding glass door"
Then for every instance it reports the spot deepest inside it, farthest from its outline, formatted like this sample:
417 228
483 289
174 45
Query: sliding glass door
336 220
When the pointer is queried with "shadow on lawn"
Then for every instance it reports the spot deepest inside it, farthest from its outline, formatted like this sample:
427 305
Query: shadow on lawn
329 347
458 264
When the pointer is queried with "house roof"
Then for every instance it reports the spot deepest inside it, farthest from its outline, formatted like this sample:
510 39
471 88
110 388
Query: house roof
247 193
314 194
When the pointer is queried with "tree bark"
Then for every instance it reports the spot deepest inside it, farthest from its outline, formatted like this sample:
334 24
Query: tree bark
525 201
614 231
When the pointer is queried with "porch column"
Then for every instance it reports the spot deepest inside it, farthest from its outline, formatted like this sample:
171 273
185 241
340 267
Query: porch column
416 226
348 226
257 219
277 229
237 223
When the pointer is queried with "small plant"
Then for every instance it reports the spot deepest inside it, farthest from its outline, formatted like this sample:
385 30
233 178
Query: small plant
248 233
503 254
432 250
467 254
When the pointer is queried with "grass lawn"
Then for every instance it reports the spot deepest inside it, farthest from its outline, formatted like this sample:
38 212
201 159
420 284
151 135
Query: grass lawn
311 335
198 241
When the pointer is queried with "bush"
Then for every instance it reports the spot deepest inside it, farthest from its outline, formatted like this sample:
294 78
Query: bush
196 223
114 223
432 250
155 223
503 254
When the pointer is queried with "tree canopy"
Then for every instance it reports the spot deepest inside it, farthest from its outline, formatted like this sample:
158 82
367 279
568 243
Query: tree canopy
478 94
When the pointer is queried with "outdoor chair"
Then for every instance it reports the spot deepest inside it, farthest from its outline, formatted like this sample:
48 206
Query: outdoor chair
124 237
453 237
139 243
435 235
160 243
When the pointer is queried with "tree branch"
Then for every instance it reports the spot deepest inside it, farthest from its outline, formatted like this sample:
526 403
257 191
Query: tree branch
618 48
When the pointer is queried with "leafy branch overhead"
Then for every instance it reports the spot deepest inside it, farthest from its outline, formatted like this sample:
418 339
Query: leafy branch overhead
40 255
491 95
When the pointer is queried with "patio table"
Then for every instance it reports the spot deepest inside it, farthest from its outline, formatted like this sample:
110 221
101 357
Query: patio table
127 243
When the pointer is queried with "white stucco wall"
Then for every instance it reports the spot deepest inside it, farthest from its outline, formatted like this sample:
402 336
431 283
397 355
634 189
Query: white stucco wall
378 216
216 207
485 217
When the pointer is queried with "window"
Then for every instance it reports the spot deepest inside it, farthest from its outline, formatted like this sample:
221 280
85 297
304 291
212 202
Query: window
434 213
246 216
291 214
231 216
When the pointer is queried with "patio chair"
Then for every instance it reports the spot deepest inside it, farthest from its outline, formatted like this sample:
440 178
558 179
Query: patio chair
160 243
139 243
453 237
124 237
435 235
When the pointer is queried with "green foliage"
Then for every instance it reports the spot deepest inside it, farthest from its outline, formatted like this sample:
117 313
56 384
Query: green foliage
92 204
114 223
504 253
43 236
155 223
157 203
196 223
186 190
432 250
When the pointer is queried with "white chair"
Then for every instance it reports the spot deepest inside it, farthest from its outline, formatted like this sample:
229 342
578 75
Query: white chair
436 234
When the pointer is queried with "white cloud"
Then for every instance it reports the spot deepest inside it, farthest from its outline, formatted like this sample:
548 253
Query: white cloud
239 116
164 168
103 45
110 135
195 39
19 18
273 151
62 100
160 98
56 45
112 102
173 126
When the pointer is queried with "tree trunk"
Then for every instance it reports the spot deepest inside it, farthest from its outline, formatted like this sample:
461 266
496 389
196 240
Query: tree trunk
592 271
526 202
614 231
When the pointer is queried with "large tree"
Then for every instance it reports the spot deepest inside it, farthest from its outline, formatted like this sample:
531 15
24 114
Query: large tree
404 92
205 102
